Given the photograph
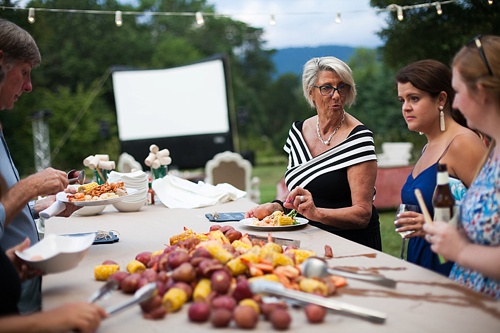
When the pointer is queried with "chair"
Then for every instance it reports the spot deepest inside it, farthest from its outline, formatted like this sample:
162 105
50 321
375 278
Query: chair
232 168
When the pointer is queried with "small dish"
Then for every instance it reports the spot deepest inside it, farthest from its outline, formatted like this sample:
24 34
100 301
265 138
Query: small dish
89 210
249 222
57 253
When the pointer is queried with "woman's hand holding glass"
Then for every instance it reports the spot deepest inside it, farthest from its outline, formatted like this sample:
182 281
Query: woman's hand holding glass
409 221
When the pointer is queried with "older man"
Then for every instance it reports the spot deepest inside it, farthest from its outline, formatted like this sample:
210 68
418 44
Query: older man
19 54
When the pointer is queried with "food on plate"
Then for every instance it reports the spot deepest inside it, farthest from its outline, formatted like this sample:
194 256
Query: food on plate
105 191
36 257
211 273
277 219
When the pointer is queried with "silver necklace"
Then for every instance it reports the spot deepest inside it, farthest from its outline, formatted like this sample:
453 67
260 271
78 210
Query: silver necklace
327 141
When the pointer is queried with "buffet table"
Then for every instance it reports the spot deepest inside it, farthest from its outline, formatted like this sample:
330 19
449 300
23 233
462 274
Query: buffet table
422 302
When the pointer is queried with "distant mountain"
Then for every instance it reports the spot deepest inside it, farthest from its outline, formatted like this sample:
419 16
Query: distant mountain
292 60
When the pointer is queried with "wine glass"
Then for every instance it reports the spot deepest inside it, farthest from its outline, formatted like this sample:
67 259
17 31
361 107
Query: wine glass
405 208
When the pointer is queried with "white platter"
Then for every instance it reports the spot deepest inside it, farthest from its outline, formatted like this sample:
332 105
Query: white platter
55 253
249 222
63 197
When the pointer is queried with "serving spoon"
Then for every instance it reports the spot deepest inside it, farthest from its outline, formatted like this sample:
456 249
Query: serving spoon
317 267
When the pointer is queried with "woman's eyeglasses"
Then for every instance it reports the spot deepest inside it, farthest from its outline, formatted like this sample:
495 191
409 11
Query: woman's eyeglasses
328 90
477 41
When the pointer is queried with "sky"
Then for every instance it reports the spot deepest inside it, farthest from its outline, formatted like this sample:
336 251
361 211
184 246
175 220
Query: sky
311 23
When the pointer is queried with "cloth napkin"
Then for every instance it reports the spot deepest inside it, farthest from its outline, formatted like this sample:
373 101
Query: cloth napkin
175 192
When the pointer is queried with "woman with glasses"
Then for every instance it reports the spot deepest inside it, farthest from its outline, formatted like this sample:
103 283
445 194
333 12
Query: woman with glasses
475 245
426 96
332 164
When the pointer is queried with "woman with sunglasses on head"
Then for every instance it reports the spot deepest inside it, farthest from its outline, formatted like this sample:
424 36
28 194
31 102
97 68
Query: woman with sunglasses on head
332 164
426 96
475 245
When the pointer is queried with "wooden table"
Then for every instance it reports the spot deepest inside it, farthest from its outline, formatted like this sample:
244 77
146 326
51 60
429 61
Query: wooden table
423 301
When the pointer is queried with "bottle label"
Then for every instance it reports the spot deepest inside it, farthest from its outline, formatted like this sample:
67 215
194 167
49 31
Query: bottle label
442 214
150 198
443 178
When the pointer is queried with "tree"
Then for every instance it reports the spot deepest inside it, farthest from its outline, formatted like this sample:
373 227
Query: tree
423 33
78 50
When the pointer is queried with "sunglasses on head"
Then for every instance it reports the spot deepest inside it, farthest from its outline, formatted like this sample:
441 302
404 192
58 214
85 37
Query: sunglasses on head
477 41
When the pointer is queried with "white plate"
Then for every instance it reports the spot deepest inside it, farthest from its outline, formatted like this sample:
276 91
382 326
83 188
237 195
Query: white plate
55 253
63 197
249 222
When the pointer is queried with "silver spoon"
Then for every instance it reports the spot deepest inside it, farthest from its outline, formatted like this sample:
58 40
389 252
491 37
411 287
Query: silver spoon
142 294
317 267
75 177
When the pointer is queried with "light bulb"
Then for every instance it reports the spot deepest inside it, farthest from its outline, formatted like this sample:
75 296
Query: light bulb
118 18
400 13
199 18
490 2
338 19
439 11
272 21
31 15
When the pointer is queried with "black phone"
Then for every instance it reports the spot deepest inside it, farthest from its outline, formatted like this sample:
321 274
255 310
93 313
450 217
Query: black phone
225 217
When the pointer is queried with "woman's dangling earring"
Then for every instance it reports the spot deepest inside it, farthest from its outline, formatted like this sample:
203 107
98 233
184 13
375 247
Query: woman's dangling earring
442 126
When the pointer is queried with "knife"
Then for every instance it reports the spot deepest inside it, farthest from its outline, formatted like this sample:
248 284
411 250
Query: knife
277 289
277 240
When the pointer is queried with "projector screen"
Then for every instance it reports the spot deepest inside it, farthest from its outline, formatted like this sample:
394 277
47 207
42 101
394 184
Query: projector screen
184 109
188 100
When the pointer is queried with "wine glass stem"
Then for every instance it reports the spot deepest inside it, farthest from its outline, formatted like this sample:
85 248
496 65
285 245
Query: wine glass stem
403 247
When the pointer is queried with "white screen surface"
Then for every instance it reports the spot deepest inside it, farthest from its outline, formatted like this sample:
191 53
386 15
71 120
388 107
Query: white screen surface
188 100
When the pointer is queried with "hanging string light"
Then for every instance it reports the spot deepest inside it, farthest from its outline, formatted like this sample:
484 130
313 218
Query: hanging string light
272 21
400 13
199 18
439 11
490 2
118 18
338 19
31 15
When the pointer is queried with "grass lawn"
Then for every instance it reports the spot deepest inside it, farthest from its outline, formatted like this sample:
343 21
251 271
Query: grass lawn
269 176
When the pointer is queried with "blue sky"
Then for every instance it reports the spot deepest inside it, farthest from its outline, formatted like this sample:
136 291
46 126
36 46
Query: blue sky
309 22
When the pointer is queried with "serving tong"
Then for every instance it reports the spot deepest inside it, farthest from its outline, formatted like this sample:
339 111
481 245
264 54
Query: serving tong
302 298
142 294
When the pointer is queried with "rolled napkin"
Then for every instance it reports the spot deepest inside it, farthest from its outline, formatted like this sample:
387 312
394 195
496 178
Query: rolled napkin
106 165
52 210
175 192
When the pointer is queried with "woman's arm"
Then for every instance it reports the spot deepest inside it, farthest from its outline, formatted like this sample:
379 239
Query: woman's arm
455 246
82 317
464 156
361 178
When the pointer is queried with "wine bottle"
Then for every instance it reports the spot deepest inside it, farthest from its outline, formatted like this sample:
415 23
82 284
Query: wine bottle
442 199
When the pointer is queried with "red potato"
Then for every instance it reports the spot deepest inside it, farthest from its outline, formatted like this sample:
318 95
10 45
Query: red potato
280 319
109 262
177 258
144 257
150 275
242 290
118 276
220 281
221 317
226 228
245 316
199 312
185 273
224 302
315 314
267 308
151 304
184 286
130 283
233 235
215 227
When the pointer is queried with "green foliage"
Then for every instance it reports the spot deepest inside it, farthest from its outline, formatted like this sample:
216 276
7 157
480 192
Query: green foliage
425 34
